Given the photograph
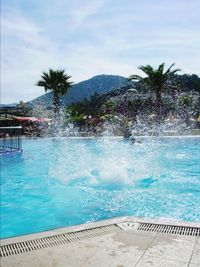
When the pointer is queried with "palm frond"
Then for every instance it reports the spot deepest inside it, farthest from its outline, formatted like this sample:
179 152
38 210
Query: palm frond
168 70
161 68
56 81
148 70
134 77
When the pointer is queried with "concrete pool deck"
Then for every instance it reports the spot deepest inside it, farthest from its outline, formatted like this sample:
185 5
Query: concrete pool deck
119 242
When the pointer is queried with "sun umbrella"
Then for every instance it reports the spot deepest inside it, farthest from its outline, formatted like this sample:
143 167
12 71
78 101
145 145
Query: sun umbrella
43 120
33 119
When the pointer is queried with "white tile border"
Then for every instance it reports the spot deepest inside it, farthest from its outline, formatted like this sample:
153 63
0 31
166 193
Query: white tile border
101 223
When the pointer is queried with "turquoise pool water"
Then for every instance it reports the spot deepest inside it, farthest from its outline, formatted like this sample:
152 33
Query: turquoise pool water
62 182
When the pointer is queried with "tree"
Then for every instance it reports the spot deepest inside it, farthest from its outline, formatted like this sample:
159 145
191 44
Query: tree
57 82
156 80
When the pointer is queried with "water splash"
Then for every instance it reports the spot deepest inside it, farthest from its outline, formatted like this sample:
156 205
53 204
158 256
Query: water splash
106 162
68 181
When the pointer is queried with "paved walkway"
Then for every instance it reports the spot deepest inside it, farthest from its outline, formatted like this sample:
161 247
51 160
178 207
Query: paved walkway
119 248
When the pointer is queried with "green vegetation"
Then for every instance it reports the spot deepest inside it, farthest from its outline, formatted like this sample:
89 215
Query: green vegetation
161 92
150 101
152 98
57 82
156 81
80 113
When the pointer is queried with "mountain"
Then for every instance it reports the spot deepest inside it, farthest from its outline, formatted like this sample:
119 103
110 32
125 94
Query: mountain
12 105
100 84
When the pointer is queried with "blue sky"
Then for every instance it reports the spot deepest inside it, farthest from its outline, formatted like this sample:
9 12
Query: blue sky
91 37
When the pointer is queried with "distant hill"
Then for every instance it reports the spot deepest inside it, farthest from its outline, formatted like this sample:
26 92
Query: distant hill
13 105
100 84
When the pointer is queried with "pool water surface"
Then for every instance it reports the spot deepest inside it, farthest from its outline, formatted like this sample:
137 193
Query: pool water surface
61 182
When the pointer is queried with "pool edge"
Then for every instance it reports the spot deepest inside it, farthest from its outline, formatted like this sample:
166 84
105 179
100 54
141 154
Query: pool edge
93 225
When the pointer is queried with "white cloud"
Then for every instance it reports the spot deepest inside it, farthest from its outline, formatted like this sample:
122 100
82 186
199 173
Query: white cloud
25 53
79 13
95 37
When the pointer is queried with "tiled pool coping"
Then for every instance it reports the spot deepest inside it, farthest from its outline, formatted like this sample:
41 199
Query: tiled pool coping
104 244
86 226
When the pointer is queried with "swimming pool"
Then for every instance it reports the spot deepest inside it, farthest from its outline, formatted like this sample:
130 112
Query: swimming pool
61 182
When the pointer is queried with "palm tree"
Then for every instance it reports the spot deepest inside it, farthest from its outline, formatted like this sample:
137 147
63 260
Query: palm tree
57 82
156 80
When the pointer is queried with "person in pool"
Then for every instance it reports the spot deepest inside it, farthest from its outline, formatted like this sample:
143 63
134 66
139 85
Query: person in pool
127 134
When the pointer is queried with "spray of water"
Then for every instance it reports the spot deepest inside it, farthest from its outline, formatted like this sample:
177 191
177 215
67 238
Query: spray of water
109 160
104 162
